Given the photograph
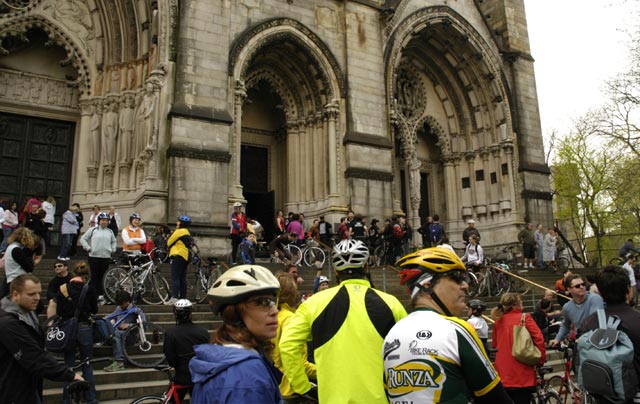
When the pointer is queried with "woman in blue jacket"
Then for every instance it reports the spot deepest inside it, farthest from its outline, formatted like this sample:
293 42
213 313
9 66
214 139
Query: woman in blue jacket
236 367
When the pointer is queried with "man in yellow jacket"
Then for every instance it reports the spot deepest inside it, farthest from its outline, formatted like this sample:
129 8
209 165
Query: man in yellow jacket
346 325
179 244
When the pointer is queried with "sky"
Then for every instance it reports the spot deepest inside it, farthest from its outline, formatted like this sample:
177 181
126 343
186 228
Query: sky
577 45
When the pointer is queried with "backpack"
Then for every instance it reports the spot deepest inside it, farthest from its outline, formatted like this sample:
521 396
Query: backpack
606 361
397 231
435 233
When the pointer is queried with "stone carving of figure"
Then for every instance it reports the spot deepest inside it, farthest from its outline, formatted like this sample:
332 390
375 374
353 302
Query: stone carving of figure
126 123
109 132
131 77
74 14
94 135
115 80
144 121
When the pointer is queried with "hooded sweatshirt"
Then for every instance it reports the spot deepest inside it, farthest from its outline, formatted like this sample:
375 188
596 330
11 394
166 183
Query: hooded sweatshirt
232 374
24 360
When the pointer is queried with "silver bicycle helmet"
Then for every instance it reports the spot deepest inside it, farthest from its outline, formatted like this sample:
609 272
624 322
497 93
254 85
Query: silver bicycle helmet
182 309
239 283
102 215
349 254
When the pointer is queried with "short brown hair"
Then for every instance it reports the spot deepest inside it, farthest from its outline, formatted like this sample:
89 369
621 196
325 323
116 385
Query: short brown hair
19 283
570 278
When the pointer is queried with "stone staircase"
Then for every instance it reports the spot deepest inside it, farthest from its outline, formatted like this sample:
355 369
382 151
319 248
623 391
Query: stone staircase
122 387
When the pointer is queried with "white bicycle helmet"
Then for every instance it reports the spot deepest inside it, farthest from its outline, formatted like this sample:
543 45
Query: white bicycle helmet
349 254
182 309
239 283
323 279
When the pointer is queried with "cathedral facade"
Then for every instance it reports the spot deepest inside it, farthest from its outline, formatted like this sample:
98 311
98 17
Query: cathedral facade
173 107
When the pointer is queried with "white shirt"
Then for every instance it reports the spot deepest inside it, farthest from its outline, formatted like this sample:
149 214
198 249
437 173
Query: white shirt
632 275
50 210
480 325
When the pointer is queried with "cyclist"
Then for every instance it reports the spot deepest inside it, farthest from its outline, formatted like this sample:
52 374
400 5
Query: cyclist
320 283
236 367
346 325
179 245
476 307
277 248
123 303
626 248
133 237
468 231
100 243
238 229
179 342
473 254
247 250
431 356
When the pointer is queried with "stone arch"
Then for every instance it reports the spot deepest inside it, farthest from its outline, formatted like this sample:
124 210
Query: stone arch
75 54
292 101
477 82
245 47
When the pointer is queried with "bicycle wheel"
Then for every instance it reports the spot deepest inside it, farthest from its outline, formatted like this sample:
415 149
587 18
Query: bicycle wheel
295 252
314 256
148 400
379 256
472 281
116 279
156 289
503 284
144 349
519 286
616 261
561 388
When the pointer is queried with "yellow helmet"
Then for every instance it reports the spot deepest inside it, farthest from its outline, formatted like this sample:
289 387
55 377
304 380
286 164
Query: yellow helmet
429 260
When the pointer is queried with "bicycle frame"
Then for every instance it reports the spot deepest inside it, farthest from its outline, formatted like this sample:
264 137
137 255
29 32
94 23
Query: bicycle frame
569 391
140 318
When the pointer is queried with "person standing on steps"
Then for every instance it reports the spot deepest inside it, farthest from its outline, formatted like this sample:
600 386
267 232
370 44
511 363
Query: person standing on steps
238 230
179 244
100 243
133 237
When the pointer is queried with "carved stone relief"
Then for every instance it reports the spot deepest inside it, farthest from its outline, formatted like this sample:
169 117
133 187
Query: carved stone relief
75 16
38 90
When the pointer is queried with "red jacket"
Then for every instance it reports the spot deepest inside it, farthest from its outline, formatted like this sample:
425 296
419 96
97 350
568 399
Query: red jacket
512 372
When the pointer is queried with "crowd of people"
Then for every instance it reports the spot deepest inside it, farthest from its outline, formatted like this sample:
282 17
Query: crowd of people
346 343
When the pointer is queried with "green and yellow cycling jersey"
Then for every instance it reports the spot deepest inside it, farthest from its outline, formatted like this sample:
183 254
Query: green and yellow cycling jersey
431 358
346 325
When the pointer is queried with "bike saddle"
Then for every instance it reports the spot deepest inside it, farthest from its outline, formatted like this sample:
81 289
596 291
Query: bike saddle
543 370
78 386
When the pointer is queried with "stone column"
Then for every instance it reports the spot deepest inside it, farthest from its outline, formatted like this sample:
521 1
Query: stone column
317 156
511 205
293 168
306 137
86 111
332 111
324 153
450 189
236 140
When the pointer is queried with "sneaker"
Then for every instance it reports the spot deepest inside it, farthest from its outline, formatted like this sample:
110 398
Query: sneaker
171 301
114 367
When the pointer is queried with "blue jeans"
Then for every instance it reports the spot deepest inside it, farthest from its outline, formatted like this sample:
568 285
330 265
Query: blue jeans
6 233
66 244
118 352
85 346
179 277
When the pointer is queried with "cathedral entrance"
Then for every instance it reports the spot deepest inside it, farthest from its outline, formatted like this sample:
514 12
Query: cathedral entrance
36 159
254 177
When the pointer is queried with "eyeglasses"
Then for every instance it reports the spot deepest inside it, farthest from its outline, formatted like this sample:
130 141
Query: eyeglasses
264 302
578 286
457 276
58 266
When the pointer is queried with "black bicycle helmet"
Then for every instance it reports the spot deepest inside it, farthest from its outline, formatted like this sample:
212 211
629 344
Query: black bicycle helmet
477 304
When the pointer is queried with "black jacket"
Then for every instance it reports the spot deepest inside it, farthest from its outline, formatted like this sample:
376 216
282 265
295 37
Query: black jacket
66 306
178 347
23 358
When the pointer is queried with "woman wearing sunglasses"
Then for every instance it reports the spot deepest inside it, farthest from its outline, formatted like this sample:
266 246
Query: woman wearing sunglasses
236 367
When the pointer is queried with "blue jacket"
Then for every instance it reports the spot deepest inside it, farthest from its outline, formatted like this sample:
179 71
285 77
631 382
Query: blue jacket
232 374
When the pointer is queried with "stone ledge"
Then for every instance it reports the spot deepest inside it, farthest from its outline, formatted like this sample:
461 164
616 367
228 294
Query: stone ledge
368 174
201 113
198 154
535 167
367 140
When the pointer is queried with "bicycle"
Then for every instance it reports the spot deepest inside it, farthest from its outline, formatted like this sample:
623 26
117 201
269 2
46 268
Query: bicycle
169 396
564 258
136 344
544 394
308 254
204 277
487 279
381 253
565 386
137 277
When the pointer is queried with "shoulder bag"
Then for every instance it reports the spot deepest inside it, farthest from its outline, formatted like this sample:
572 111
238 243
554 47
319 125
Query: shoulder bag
61 335
523 349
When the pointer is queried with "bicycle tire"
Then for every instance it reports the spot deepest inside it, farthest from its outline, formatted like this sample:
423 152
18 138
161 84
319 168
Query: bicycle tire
148 400
379 255
472 281
115 279
503 284
138 351
295 252
156 289
313 255
561 388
